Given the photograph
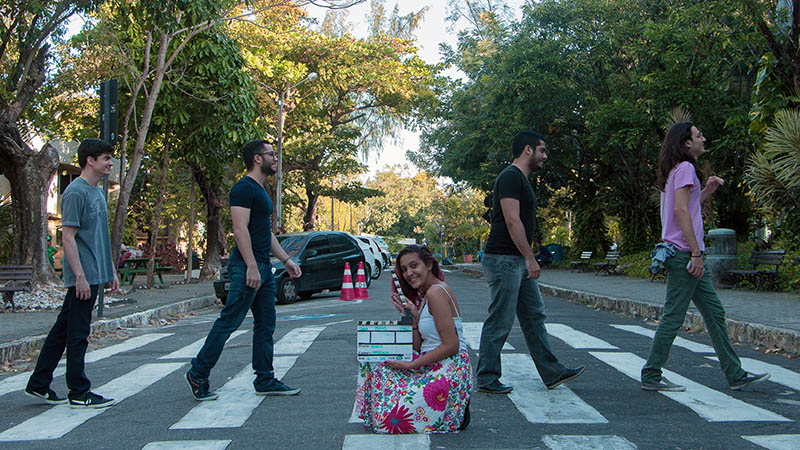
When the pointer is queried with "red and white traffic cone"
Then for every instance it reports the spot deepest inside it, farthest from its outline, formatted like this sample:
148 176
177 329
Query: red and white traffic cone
361 283
348 293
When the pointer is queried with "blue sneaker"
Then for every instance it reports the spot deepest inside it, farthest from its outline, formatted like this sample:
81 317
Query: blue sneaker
199 388
50 397
276 387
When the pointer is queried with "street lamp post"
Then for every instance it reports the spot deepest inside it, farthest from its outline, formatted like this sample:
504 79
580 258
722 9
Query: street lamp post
281 117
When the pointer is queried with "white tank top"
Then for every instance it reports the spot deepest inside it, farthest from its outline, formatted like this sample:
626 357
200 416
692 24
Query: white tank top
427 326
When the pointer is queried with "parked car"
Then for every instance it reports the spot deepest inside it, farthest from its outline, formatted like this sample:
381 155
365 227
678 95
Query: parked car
385 252
377 258
321 256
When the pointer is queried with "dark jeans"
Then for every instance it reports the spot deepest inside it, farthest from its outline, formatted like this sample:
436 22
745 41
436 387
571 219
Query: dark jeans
512 292
240 299
71 331
682 287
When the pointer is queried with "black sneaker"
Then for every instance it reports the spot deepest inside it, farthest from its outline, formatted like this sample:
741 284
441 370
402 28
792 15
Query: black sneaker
91 401
662 385
495 387
467 419
199 388
749 378
50 397
569 374
276 387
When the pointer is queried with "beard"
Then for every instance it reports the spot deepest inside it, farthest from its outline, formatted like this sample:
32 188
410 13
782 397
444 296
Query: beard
267 169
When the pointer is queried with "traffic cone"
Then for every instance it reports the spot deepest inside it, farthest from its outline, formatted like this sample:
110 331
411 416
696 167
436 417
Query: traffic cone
348 293
361 283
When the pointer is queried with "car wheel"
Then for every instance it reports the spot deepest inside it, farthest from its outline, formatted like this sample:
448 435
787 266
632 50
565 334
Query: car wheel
287 291
367 269
377 272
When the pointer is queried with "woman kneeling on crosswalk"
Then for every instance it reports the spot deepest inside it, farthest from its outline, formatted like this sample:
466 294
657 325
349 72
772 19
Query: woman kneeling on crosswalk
431 393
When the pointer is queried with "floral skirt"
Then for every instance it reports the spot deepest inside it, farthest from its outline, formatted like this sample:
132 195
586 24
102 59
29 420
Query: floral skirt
431 399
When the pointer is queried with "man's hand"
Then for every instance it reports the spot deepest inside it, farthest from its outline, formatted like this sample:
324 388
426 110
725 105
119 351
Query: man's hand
292 269
697 268
82 289
253 277
533 268
114 285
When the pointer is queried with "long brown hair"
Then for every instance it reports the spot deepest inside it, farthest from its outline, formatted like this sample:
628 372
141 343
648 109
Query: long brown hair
673 152
425 255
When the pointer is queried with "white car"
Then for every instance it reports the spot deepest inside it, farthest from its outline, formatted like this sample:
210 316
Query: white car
373 250
384 247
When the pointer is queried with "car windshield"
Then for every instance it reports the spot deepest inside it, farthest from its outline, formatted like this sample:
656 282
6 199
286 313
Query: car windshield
292 244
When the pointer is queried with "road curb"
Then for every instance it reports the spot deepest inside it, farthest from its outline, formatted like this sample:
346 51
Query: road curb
27 346
743 332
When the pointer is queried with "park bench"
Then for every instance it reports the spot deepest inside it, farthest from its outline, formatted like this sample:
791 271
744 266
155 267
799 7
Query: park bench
138 266
609 267
662 271
583 263
760 277
15 278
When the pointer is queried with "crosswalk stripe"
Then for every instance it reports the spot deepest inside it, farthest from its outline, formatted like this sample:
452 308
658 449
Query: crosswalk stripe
575 338
386 441
297 341
536 402
61 419
709 404
576 442
191 350
777 374
678 342
775 441
236 402
19 381
187 445
472 334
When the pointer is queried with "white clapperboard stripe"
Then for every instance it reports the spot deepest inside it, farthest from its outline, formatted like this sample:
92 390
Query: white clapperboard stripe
191 350
777 374
19 381
678 342
187 445
237 398
775 441
575 338
577 442
472 334
536 402
386 441
61 419
711 405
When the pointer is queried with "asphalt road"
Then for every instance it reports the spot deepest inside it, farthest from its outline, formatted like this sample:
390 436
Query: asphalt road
604 408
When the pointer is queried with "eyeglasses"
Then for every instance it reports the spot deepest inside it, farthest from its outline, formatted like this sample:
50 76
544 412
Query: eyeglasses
270 153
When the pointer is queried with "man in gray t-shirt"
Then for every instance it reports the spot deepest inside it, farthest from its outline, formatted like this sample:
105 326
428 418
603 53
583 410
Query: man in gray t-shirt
87 269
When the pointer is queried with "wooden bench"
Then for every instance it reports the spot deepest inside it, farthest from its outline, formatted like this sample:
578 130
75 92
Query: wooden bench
760 277
583 263
609 267
15 278
662 271
138 266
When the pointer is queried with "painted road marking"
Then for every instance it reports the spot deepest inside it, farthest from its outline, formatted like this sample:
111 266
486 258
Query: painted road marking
236 401
575 338
678 342
536 402
19 381
187 445
775 441
711 405
565 442
386 441
472 334
191 350
777 374
61 419
297 341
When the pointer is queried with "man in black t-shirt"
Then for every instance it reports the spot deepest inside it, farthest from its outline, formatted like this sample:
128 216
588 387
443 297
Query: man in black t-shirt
251 283
512 272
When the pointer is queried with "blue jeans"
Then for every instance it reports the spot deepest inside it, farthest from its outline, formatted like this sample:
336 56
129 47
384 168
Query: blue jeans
512 292
240 299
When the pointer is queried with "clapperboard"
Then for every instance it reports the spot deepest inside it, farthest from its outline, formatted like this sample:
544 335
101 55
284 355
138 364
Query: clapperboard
381 340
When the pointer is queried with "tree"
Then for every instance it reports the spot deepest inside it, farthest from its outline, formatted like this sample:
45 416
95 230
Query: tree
25 41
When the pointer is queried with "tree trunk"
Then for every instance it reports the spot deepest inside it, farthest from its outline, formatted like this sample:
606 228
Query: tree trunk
215 232
151 265
29 173
190 235
309 217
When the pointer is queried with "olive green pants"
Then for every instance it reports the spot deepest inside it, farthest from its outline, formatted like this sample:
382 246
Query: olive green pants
681 288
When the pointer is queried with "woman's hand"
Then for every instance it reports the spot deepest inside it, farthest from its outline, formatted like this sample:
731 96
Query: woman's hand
400 307
399 365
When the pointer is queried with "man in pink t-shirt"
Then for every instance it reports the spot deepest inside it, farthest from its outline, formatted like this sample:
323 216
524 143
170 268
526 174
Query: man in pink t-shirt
687 277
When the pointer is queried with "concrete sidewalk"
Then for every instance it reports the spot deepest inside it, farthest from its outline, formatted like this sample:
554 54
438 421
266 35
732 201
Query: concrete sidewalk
769 319
22 333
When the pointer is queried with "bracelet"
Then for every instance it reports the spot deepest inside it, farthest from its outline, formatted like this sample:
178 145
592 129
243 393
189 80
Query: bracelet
697 256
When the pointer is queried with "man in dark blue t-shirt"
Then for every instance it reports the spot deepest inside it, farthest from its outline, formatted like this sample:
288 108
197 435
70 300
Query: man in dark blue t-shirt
512 272
251 283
